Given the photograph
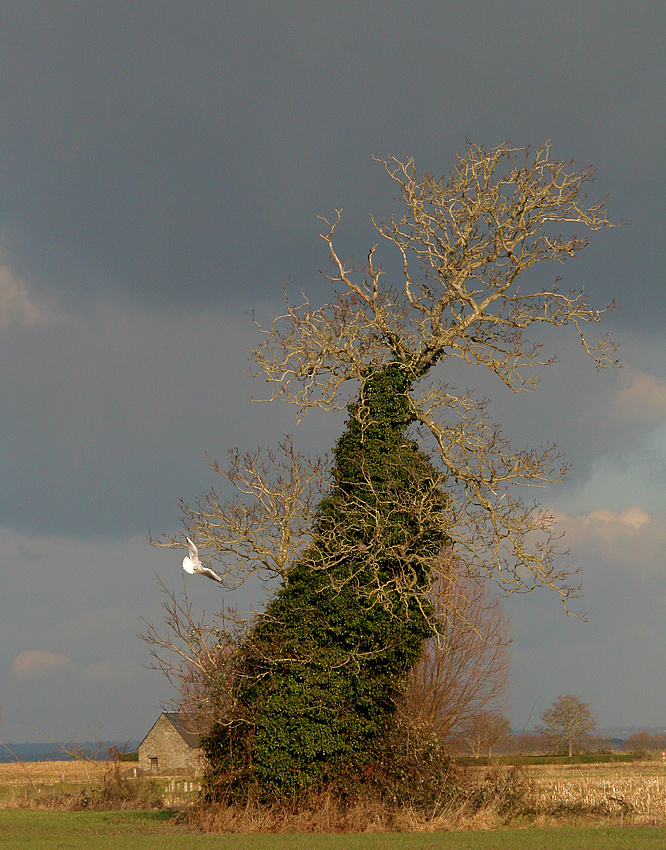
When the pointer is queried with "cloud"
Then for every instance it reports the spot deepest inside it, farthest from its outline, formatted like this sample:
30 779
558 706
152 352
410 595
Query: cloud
628 520
630 537
18 306
103 671
642 398
35 663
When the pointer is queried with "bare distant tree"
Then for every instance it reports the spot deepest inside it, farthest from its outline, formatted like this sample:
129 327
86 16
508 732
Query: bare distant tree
568 722
466 670
643 743
529 743
484 731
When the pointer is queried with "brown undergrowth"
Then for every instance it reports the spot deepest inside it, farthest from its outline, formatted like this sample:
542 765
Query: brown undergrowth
471 798
491 800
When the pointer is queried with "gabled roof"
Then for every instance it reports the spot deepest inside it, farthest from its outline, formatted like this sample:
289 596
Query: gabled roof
185 727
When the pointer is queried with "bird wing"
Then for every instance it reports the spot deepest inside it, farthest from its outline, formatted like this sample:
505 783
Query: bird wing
206 571
194 552
188 566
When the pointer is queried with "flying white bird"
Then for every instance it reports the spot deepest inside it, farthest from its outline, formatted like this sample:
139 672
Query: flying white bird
193 565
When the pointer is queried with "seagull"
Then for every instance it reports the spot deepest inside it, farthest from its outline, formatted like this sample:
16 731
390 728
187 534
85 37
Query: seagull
193 565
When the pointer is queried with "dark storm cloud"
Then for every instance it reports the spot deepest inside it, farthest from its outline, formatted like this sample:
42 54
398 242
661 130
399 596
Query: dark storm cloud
161 169
107 422
175 152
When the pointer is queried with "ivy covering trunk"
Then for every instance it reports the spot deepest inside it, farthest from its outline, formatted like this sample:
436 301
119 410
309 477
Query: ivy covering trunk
321 671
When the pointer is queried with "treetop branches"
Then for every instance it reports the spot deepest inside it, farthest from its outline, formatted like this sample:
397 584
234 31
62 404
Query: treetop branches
464 241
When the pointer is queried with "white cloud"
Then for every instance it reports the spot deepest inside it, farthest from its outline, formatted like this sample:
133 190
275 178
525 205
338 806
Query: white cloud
35 663
629 520
18 306
641 398
630 537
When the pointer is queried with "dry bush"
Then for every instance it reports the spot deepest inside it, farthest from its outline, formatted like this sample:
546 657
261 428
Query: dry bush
464 673
120 791
642 745
477 799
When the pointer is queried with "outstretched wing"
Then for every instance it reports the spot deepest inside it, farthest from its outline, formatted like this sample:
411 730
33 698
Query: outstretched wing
191 562
206 571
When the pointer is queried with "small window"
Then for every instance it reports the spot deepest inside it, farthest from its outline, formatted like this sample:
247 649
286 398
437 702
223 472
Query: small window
153 765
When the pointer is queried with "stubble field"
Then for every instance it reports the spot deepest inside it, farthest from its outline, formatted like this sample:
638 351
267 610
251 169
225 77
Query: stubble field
633 792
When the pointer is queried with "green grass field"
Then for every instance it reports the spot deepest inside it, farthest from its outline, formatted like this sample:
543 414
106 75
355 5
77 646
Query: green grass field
147 830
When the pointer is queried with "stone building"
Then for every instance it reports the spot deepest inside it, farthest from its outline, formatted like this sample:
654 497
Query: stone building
171 746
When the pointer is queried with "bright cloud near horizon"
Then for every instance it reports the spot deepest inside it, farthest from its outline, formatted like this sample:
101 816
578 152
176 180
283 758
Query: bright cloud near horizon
161 175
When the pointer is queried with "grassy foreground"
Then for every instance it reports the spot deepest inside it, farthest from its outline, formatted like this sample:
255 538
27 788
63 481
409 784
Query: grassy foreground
137 830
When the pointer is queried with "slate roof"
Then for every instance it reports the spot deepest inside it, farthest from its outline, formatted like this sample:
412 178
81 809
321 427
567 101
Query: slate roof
185 728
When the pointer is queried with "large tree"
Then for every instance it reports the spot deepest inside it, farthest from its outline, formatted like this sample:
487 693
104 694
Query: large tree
464 243
310 694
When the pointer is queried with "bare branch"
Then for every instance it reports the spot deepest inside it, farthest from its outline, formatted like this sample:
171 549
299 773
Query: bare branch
197 657
465 668
464 241
267 522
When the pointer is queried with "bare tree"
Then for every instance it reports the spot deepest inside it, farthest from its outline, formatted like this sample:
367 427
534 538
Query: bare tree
568 721
463 242
484 731
529 743
197 656
466 670
642 744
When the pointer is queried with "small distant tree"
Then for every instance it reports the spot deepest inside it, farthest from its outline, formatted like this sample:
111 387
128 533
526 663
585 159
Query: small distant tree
601 744
528 743
568 721
486 730
642 744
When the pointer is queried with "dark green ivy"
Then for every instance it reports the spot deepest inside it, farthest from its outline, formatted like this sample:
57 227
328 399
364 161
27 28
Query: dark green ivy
319 674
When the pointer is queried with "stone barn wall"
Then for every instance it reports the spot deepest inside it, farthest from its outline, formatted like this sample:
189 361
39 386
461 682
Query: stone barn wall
166 750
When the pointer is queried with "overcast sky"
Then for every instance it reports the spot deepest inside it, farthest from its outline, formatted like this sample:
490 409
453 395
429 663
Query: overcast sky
162 166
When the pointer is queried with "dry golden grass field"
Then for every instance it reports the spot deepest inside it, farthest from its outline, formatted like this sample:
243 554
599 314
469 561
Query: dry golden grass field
617 793
46 773
634 791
